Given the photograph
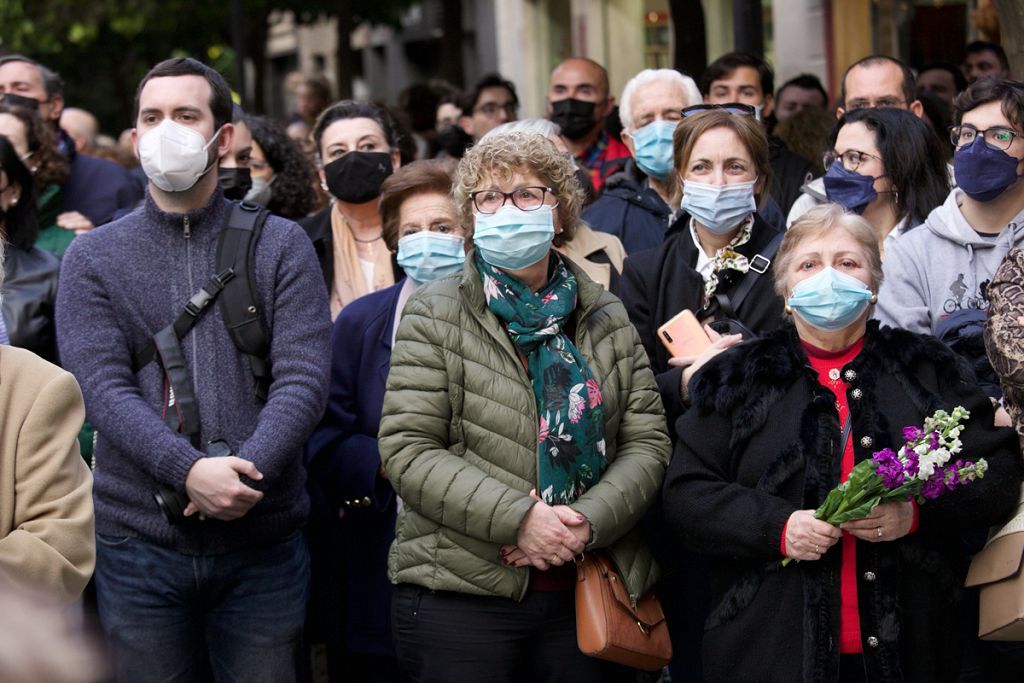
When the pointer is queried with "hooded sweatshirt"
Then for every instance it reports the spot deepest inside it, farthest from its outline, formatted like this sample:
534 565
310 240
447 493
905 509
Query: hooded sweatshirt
941 267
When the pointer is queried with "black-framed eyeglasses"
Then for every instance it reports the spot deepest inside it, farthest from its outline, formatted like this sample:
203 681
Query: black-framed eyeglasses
492 108
528 198
737 108
997 137
851 159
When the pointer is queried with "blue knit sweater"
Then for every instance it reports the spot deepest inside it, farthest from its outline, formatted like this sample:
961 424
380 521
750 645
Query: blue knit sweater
123 282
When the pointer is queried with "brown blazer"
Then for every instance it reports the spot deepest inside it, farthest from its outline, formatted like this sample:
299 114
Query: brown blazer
47 535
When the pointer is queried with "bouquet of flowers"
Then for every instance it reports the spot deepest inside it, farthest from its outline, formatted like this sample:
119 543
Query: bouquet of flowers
924 468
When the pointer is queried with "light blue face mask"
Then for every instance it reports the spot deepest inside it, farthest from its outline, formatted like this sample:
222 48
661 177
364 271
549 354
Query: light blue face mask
513 239
653 147
719 208
426 256
830 300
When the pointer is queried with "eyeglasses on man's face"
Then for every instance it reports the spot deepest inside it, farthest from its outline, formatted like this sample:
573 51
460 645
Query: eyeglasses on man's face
997 137
528 198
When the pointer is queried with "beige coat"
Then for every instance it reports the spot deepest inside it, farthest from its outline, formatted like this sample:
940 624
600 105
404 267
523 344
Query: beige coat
588 242
47 537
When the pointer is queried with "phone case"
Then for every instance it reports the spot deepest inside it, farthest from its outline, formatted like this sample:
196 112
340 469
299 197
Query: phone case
683 335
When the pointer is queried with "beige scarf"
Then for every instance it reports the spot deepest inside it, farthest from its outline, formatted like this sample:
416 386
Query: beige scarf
349 282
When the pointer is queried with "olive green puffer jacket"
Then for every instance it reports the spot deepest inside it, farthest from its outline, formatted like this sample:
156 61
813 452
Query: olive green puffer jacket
458 439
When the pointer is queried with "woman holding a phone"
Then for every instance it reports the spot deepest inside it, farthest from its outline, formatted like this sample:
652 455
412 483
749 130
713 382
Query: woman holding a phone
719 266
707 286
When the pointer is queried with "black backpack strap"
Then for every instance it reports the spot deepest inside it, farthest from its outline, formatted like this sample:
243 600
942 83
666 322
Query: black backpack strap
239 302
181 410
759 265
187 318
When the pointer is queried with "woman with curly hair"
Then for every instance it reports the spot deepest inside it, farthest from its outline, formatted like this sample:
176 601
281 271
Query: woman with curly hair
283 180
36 145
521 425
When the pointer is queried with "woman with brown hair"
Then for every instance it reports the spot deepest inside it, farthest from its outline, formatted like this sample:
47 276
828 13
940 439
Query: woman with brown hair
719 265
357 145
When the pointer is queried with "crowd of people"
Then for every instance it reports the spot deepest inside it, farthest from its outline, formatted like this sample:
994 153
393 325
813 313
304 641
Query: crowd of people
343 396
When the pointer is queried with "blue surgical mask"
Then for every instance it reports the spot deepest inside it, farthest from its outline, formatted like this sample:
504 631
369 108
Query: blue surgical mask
426 256
850 190
984 172
513 239
653 146
829 300
719 208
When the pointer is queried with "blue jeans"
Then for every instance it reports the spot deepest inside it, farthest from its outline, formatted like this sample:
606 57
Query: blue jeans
163 611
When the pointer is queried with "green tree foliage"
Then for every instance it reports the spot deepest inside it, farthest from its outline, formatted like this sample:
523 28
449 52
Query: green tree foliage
103 47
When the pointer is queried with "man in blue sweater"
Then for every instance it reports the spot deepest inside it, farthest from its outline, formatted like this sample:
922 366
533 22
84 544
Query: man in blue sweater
231 579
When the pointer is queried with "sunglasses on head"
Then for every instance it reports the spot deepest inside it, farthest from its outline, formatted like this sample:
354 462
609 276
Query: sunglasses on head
732 107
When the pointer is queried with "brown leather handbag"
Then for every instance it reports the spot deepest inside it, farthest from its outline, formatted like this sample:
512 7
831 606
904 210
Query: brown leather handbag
609 627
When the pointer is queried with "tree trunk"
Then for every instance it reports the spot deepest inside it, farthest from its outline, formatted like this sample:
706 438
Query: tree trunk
691 48
345 57
1011 28
451 42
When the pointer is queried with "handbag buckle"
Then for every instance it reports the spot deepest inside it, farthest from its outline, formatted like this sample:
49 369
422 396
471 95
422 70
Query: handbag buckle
643 629
759 264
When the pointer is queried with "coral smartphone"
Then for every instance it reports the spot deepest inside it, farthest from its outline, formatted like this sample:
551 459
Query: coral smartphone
683 335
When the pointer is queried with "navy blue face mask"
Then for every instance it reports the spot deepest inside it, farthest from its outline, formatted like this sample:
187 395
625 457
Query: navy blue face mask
984 172
849 189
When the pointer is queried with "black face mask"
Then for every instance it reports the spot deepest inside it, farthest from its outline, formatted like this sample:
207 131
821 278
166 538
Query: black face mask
454 141
357 176
575 117
234 181
13 100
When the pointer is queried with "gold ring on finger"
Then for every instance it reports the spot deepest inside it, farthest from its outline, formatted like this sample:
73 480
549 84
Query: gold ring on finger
879 531
817 549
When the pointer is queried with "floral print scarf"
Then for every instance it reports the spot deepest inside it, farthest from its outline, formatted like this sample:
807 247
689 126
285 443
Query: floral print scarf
570 445
727 258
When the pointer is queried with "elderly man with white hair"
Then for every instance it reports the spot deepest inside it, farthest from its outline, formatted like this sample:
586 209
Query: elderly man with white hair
638 205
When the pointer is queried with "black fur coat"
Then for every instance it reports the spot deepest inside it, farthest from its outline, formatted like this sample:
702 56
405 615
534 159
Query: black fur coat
759 443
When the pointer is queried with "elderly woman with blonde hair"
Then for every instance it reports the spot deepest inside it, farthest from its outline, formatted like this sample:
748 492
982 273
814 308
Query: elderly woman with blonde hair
521 425
779 421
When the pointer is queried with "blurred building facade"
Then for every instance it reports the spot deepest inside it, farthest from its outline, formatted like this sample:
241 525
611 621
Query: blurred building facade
524 39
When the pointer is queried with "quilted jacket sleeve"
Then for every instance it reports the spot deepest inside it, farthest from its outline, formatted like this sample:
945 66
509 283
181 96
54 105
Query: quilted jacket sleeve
632 480
414 437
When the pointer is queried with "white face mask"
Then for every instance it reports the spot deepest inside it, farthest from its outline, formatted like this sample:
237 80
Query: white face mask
174 157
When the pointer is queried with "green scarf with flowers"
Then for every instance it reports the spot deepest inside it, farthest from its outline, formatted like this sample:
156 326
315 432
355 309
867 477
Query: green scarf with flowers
570 444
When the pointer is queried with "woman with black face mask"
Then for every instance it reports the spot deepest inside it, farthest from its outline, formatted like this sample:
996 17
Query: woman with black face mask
357 148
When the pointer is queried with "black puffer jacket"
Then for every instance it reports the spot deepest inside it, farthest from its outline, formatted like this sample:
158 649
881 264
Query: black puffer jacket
29 296
759 444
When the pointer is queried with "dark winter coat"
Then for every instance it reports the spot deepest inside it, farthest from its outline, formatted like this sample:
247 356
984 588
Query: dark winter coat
29 283
659 283
759 444
344 465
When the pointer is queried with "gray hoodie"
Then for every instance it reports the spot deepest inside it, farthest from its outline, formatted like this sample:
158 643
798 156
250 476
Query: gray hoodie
941 267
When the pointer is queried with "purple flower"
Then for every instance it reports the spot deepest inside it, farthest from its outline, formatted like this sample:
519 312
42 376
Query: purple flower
934 439
934 487
889 468
912 466
911 433
951 474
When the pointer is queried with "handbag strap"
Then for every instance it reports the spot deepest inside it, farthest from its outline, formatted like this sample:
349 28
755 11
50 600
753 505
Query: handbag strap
759 265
